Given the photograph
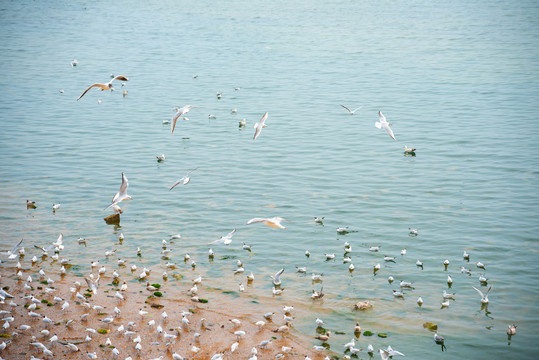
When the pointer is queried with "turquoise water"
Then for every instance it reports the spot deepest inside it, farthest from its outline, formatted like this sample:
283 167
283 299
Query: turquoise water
458 81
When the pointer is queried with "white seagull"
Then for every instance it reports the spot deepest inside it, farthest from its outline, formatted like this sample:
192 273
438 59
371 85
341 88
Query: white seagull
271 222
122 194
11 253
351 112
260 125
106 86
384 124
227 239
484 297
277 277
184 180
179 112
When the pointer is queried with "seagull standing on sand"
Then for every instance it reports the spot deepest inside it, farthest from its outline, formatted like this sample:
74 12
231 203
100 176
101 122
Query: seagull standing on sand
271 222
184 180
179 112
106 86
122 194
260 125
384 124
351 112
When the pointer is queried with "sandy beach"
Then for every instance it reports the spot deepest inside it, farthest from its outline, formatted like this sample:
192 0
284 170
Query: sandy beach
200 339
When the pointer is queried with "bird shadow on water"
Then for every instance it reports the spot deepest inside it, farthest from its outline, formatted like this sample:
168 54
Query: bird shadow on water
484 307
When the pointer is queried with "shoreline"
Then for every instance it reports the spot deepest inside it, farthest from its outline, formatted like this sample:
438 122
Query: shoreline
215 335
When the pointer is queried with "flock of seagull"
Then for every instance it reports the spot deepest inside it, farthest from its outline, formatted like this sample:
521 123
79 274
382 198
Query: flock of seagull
92 281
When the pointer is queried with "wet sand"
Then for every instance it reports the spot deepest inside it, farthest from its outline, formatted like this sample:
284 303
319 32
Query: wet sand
216 336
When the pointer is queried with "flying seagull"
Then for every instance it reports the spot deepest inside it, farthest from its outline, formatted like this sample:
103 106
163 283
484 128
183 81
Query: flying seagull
122 194
384 124
260 125
106 86
11 253
185 180
227 239
179 112
272 222
352 112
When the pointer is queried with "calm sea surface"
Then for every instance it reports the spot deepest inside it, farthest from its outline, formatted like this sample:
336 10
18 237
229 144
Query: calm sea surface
458 80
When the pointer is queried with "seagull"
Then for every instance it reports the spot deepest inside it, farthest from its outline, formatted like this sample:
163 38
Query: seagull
384 124
319 220
342 230
160 158
227 239
412 231
11 253
55 207
184 180
405 284
438 339
351 112
179 112
447 295
260 125
408 150
277 277
512 330
122 194
106 86
419 301
318 294
30 204
484 297
271 222
277 291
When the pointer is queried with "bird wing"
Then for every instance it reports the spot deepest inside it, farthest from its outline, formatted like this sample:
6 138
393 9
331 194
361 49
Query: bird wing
257 131
120 77
125 184
389 131
357 109
278 274
254 220
480 292
394 352
229 235
350 111
89 87
174 119
263 119
381 117
40 248
488 290
176 183
60 239
190 171
384 354
12 251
